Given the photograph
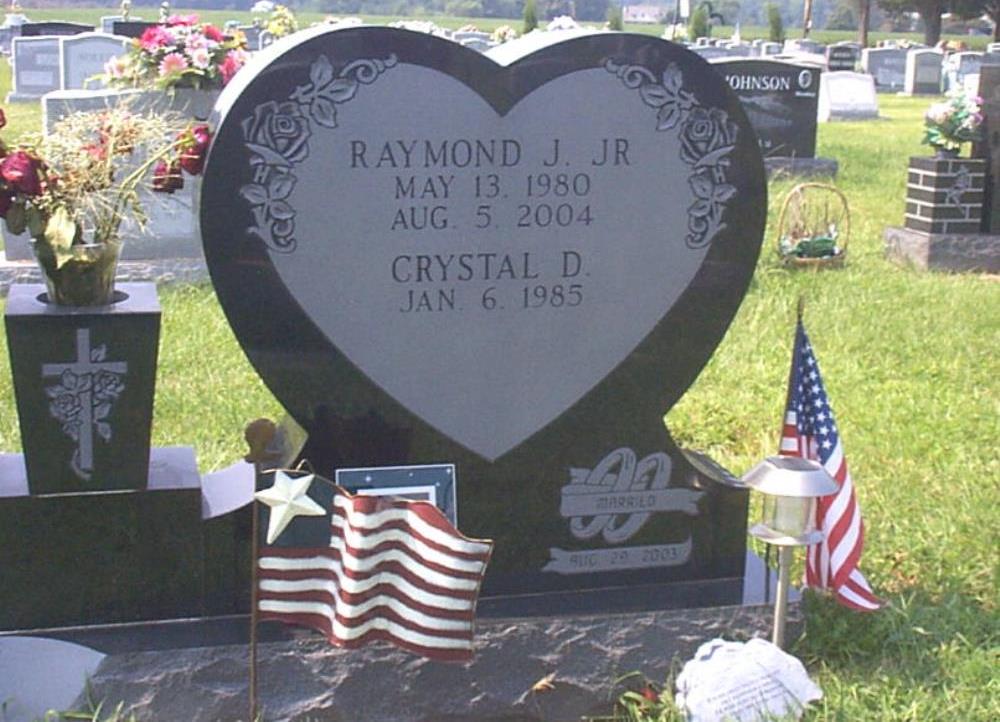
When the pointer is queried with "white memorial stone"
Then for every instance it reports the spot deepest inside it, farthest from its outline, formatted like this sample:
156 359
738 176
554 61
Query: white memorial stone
36 67
923 72
743 682
82 57
844 95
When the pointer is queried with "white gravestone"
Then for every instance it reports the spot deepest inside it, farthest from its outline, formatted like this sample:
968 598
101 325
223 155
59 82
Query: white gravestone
36 67
82 57
844 95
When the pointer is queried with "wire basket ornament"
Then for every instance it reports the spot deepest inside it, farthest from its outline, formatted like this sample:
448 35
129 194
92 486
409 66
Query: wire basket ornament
814 227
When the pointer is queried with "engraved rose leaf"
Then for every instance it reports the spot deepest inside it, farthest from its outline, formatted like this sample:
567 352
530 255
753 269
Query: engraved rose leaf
655 95
723 193
268 156
701 208
104 430
99 353
102 411
673 78
281 211
280 187
668 116
256 194
340 90
716 157
324 112
321 72
702 186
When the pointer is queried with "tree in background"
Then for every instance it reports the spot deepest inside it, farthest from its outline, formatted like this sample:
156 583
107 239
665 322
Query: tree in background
929 10
530 16
775 28
698 26
615 19
970 9
592 10
864 17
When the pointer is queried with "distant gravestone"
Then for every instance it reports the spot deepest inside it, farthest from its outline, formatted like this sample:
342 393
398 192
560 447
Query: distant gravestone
847 96
54 28
84 56
434 228
739 50
841 57
780 101
108 22
770 49
130 28
265 39
923 72
709 52
702 41
887 66
36 67
252 34
804 45
959 66
993 48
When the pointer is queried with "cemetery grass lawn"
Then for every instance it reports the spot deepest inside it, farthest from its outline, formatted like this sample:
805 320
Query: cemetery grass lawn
910 363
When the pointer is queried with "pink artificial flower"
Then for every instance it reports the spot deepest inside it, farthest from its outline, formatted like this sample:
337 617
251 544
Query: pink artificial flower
167 177
173 63
234 61
196 41
182 20
200 58
115 67
213 33
155 37
195 146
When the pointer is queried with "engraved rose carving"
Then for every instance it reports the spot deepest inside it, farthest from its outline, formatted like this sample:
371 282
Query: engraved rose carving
277 133
707 137
65 408
107 386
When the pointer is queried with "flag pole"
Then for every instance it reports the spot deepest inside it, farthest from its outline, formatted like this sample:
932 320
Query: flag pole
258 434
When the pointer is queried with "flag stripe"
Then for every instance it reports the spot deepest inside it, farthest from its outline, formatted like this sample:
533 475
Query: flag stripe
366 541
350 605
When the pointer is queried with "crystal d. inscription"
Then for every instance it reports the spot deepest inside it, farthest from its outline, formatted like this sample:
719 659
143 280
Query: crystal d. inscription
277 135
707 138
82 398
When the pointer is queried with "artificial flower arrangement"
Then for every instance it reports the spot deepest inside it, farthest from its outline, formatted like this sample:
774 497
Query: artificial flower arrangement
956 121
282 22
180 53
74 188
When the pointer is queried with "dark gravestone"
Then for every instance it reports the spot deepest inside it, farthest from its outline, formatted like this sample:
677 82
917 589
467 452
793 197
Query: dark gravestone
989 148
887 66
83 381
433 258
780 100
841 57
54 28
130 28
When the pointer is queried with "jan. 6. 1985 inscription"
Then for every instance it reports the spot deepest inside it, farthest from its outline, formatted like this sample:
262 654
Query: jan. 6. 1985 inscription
467 187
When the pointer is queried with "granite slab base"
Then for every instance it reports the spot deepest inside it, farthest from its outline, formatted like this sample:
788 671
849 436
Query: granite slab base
801 167
162 270
976 252
307 679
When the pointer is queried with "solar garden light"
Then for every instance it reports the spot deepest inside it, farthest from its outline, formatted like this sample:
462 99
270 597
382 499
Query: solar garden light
790 486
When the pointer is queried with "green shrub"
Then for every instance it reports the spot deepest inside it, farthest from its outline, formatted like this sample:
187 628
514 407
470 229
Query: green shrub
698 26
530 16
615 21
776 28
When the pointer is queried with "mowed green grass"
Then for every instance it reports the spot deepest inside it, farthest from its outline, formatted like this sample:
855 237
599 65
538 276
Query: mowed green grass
910 363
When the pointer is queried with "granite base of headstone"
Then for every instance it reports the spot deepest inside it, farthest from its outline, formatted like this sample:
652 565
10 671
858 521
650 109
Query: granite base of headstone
944 206
306 678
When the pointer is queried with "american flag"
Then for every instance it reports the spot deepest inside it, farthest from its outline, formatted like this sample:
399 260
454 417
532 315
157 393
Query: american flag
810 431
384 568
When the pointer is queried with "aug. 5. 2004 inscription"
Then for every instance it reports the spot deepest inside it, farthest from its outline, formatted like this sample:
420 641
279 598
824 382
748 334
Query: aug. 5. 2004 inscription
469 187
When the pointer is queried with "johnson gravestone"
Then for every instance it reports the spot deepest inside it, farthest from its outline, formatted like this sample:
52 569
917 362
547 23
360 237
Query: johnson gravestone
514 269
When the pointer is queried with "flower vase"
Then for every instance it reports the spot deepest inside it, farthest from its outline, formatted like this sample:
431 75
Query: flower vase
86 278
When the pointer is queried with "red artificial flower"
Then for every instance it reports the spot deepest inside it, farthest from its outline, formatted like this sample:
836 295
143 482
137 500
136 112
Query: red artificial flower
233 61
188 20
97 151
213 33
194 147
167 177
649 694
20 170
155 37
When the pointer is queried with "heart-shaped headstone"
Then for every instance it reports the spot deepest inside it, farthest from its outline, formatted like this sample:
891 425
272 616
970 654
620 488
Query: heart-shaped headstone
429 256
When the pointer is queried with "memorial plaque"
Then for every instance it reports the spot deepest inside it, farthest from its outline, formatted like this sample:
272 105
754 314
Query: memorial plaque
780 100
516 269
83 56
36 67
887 66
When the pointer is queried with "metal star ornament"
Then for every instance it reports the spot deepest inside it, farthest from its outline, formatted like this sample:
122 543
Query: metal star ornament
287 499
